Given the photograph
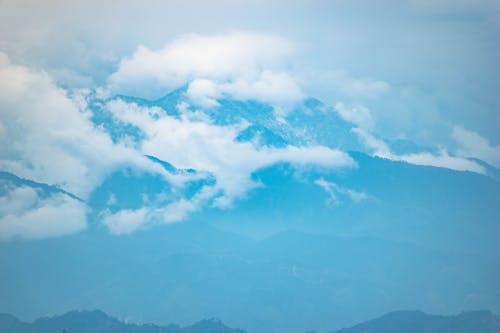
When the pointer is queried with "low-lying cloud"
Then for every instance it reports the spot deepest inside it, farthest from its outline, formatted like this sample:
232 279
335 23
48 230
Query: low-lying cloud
213 149
25 213
442 160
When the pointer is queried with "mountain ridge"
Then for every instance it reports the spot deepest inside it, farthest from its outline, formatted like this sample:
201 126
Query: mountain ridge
408 321
86 321
479 321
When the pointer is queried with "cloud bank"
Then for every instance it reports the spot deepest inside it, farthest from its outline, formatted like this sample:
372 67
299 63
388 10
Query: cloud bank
442 160
49 134
49 137
25 213
474 145
240 65
200 145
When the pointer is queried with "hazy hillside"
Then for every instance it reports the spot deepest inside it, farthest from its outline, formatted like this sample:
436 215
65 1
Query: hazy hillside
419 322
395 322
99 322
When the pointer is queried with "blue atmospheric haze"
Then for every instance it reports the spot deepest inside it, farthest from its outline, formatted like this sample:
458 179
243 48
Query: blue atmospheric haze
281 167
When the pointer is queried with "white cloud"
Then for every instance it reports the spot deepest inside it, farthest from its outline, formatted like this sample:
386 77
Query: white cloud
203 92
241 65
441 160
206 147
268 87
195 144
48 137
474 145
125 221
378 146
26 214
180 210
358 115
337 192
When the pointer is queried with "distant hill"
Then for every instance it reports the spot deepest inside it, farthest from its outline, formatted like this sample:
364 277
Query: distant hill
394 322
99 322
419 322
187 271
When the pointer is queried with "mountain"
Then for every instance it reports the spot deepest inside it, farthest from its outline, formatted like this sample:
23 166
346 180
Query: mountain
308 122
419 322
99 322
433 207
9 180
309 248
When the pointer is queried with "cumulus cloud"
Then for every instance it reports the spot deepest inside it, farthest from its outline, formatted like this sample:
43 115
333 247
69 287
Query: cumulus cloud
337 193
241 65
474 145
203 92
27 214
442 160
50 138
268 87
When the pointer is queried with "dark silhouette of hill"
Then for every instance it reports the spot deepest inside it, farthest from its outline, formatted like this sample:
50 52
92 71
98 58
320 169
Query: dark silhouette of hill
99 322
419 322
394 322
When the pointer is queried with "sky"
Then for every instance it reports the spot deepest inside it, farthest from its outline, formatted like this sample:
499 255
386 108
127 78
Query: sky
424 71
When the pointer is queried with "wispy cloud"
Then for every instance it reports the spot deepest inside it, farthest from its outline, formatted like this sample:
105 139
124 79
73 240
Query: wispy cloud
442 160
358 115
474 145
25 213
126 221
197 144
338 193
48 137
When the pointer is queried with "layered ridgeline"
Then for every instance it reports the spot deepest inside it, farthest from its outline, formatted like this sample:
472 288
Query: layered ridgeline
308 248
396 322
419 322
99 322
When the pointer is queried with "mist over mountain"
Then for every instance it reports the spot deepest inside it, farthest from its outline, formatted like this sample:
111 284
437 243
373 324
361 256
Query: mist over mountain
281 166
306 247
